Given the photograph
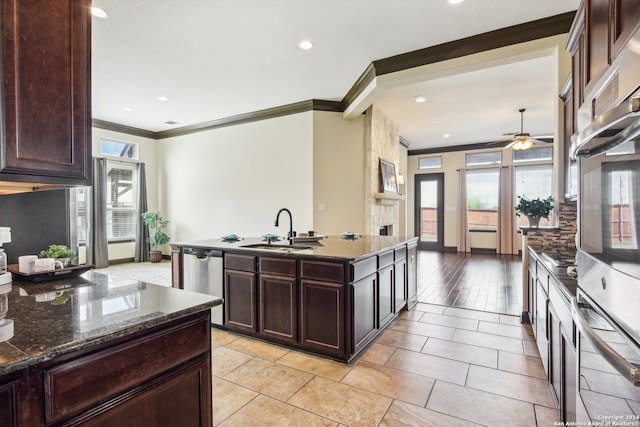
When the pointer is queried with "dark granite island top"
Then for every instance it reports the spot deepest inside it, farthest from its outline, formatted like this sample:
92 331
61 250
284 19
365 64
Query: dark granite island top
336 247
62 316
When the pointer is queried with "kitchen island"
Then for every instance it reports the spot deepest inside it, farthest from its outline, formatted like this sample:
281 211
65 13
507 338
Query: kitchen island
330 297
99 350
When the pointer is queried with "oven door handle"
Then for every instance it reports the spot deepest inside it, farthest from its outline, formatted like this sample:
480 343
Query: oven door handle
627 369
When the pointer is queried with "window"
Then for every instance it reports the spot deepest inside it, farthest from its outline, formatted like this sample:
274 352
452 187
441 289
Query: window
490 158
534 154
123 150
533 182
483 190
121 201
430 162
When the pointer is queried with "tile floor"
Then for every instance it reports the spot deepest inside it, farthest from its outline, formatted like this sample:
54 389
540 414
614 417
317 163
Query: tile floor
433 366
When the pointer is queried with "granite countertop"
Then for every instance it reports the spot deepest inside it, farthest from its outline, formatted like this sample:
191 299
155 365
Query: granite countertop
65 315
558 269
330 247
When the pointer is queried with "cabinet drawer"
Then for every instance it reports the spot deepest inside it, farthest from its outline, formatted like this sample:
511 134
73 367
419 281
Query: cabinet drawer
364 268
562 309
76 385
240 262
278 266
385 259
319 270
400 253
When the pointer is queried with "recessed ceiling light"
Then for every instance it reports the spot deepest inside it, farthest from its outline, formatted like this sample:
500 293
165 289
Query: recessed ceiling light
163 98
455 1
420 99
128 109
305 44
171 122
446 135
98 13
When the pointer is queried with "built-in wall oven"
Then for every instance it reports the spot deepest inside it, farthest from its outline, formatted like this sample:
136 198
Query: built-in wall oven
606 309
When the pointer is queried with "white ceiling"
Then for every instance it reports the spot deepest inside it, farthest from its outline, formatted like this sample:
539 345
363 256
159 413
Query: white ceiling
214 59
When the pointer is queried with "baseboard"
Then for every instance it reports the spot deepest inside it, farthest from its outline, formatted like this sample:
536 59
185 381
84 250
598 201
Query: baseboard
120 261
451 249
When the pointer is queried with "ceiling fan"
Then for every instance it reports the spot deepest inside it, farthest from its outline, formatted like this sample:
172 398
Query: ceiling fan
522 140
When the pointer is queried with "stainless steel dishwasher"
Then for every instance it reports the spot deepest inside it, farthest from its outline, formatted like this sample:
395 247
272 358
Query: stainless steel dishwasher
202 273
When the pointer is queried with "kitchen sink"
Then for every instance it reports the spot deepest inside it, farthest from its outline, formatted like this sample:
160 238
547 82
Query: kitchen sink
280 248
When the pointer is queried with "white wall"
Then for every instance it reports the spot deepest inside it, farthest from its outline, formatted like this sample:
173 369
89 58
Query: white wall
339 173
147 153
235 179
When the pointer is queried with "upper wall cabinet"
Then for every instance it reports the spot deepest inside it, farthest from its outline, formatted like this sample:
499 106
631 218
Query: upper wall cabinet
46 92
600 30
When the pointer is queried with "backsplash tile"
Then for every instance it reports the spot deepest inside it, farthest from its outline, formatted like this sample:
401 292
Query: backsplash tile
560 242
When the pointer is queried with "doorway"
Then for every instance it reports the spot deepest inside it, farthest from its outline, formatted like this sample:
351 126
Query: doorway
429 215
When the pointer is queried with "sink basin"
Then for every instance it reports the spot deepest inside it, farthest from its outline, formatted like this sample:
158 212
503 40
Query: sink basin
280 248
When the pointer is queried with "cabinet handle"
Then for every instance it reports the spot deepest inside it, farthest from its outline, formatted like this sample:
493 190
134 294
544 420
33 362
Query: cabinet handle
627 369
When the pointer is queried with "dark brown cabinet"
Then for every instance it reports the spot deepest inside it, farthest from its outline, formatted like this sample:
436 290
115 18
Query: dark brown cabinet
240 290
625 20
597 39
555 335
400 279
278 293
9 403
412 276
386 296
151 376
46 93
325 305
322 320
322 315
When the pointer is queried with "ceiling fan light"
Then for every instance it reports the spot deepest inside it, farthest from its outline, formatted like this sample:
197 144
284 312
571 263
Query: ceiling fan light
522 145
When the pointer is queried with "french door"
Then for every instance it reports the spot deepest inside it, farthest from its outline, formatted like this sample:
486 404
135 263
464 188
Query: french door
429 215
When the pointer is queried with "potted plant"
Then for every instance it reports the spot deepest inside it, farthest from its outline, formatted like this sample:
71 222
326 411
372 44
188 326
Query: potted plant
534 209
60 253
157 237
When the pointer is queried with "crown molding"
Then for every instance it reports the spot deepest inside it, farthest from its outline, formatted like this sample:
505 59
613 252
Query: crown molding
116 127
521 33
270 113
467 147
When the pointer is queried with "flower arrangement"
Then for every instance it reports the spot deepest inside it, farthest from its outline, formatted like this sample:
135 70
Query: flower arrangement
534 209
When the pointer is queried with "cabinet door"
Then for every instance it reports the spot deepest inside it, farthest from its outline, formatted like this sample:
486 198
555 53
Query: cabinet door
46 96
166 401
9 404
240 300
532 299
412 276
555 355
597 39
386 296
278 307
364 311
322 316
400 285
541 325
624 22
569 379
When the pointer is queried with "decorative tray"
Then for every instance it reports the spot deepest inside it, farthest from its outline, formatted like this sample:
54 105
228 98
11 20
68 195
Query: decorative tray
42 276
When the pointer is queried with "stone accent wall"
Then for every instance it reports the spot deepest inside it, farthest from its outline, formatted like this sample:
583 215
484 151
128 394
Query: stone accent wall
560 242
382 140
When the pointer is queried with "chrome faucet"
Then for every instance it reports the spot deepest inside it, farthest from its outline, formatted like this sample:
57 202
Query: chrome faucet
290 235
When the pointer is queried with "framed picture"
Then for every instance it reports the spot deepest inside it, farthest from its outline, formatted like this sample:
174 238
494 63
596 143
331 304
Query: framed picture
388 177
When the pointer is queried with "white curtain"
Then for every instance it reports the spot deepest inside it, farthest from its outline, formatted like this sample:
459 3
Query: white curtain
142 233
464 244
506 226
98 251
